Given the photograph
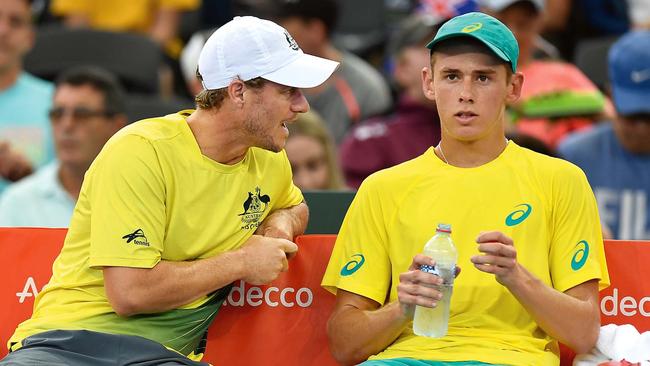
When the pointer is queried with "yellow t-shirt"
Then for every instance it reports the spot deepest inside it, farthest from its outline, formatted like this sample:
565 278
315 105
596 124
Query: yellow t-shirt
544 204
150 195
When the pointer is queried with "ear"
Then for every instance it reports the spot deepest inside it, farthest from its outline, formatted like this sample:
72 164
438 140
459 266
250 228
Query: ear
514 87
236 92
427 83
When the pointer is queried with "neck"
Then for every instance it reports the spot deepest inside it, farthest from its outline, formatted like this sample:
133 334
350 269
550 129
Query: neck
71 179
8 76
218 135
470 154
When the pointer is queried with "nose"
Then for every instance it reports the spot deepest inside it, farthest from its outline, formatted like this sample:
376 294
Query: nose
466 92
299 103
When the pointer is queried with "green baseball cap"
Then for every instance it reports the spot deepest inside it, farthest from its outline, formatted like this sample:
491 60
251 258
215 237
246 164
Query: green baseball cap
491 32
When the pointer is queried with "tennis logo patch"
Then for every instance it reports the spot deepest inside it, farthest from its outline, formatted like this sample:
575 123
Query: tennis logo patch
353 265
580 256
137 237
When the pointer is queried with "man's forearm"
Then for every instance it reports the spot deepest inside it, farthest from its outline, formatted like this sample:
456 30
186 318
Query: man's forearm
355 334
169 285
572 318
286 223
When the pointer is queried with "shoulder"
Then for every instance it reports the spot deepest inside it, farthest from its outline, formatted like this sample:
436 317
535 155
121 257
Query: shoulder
394 178
155 129
34 85
549 169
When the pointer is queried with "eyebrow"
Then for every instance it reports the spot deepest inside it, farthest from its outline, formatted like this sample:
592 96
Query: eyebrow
478 71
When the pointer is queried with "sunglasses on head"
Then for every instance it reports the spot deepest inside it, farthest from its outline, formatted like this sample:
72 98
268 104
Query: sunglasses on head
78 113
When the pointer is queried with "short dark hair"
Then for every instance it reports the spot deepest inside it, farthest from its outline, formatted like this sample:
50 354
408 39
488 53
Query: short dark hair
101 80
326 11
454 42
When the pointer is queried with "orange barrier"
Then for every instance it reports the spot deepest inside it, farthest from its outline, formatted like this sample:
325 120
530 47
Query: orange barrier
285 319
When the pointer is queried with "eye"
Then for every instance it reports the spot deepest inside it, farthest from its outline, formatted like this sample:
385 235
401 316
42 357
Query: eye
451 77
483 78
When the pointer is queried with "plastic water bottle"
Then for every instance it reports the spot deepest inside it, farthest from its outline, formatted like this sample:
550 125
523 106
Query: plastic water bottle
433 322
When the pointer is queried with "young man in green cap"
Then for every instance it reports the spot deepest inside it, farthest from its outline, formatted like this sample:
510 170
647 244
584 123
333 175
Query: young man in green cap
525 226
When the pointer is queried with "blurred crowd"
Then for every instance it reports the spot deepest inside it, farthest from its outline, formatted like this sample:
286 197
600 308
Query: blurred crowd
72 72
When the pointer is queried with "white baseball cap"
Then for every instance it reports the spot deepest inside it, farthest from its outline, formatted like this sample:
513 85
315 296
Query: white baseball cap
248 47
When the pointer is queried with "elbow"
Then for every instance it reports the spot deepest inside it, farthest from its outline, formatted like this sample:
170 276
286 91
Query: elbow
583 342
346 356
124 302
123 306
587 341
343 351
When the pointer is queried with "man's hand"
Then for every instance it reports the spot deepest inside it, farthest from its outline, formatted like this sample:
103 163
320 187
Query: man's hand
265 258
13 165
417 287
499 257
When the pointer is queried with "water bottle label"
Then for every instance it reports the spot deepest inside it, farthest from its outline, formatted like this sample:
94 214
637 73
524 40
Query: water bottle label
430 269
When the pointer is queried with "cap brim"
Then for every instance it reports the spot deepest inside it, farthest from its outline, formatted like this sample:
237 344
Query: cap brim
306 71
629 101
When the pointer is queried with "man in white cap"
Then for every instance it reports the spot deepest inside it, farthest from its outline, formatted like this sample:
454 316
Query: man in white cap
175 209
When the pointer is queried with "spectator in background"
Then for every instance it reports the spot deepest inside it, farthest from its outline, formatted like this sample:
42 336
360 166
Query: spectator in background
312 154
356 91
160 19
189 60
413 127
88 108
557 97
25 141
616 156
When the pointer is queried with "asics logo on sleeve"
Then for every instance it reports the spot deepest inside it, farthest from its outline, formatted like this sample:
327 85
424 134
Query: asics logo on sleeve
580 256
353 265
518 216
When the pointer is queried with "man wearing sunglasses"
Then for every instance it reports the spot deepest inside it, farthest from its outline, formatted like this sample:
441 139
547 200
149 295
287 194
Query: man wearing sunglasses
616 156
87 109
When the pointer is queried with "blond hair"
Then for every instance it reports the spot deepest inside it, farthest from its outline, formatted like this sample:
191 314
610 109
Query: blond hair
311 124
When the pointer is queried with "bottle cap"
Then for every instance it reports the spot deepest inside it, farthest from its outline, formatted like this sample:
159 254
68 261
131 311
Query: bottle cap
445 228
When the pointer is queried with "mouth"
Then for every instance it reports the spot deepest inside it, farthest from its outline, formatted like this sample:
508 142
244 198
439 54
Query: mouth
465 116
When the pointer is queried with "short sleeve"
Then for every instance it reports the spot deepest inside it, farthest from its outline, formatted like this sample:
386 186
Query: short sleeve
359 262
127 203
577 252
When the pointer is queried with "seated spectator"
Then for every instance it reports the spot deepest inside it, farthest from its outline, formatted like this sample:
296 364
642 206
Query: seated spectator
159 19
87 109
356 91
616 156
312 154
557 97
413 127
189 60
25 141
